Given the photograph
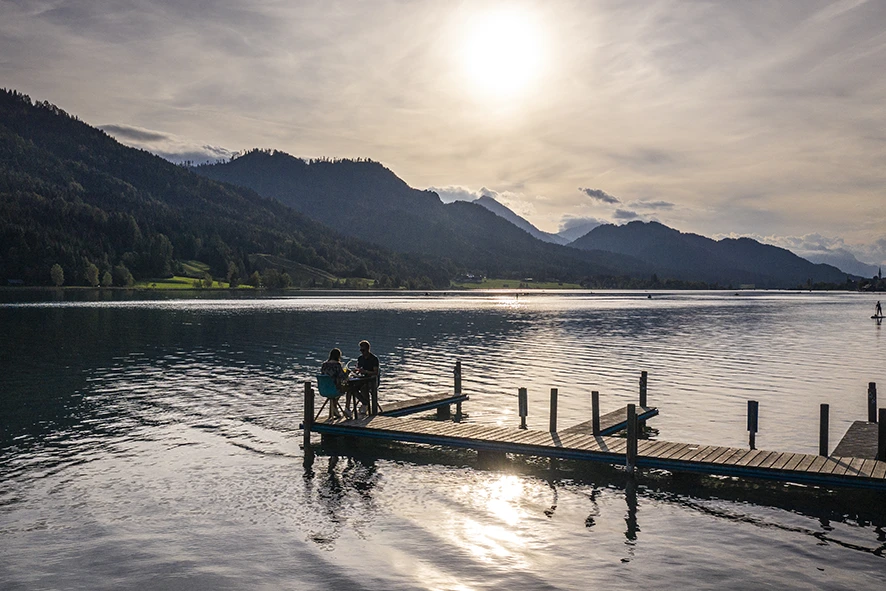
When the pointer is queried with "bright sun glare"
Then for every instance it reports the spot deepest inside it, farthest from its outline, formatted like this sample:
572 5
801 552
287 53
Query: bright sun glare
501 53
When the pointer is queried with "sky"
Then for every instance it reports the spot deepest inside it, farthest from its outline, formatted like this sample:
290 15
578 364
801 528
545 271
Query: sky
762 118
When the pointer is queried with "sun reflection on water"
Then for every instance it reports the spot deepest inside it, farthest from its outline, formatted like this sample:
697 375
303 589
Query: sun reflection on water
500 538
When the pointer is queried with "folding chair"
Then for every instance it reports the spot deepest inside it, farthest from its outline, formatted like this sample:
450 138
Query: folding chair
326 388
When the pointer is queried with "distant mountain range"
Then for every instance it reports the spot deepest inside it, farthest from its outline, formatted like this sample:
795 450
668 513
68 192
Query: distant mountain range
562 237
845 261
366 200
73 196
729 260
500 210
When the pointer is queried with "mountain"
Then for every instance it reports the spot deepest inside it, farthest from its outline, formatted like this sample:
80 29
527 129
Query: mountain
504 212
724 262
364 199
573 233
70 195
843 260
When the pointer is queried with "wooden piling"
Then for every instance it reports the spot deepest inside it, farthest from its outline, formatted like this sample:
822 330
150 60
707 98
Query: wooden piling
823 430
523 406
554 393
631 452
308 421
643 376
457 388
881 436
595 412
753 412
872 402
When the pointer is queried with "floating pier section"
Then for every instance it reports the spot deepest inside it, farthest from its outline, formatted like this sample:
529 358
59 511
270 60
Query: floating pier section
857 461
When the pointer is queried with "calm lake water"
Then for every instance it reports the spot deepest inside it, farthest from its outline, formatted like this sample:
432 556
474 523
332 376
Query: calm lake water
154 444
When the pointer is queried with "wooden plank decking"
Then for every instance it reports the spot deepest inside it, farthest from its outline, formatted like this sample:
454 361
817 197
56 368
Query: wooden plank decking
613 422
420 404
685 457
860 441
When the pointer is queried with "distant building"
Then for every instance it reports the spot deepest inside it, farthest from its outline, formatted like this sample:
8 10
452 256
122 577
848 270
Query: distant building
747 286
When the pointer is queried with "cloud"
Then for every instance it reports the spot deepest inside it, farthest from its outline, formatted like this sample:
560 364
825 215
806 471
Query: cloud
166 145
129 133
574 227
783 105
817 247
641 204
600 195
624 214
516 202
571 222
455 193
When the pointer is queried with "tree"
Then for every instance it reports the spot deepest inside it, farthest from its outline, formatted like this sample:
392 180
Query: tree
91 274
107 279
57 274
207 280
122 276
271 278
233 275
255 280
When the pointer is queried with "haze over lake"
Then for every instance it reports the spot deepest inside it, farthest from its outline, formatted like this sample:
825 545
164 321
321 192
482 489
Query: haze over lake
154 443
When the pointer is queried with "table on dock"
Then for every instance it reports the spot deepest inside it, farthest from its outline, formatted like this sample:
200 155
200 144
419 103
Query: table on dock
667 455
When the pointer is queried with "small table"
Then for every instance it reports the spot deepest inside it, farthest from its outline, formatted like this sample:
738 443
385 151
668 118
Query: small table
357 384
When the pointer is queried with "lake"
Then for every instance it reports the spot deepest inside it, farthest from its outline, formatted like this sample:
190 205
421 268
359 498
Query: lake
153 443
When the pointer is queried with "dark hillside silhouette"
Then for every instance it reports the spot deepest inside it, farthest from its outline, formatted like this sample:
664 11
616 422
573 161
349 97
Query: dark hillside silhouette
727 261
368 201
73 196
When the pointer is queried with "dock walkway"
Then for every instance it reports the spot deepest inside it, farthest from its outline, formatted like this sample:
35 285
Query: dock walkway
422 404
612 422
681 457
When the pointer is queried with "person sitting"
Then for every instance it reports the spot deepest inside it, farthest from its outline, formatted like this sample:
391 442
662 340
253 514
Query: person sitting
333 368
368 366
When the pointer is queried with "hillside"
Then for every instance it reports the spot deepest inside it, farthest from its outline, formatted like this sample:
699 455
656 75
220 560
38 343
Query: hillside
724 262
504 212
71 195
366 200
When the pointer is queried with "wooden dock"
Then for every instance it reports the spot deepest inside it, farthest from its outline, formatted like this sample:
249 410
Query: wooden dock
860 441
612 422
810 469
440 402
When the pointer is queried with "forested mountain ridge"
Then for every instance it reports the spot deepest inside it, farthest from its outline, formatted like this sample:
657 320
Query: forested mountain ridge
368 201
727 261
73 196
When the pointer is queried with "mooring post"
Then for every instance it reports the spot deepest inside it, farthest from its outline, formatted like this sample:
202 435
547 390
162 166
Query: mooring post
823 431
458 388
643 376
631 455
595 412
872 402
881 436
553 410
753 411
523 406
308 421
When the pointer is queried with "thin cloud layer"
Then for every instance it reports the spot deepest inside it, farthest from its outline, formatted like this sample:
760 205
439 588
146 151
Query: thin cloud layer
169 146
747 117
600 195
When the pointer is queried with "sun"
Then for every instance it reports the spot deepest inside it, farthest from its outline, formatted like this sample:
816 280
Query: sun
501 53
